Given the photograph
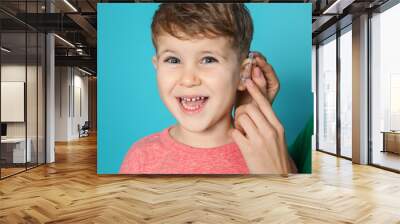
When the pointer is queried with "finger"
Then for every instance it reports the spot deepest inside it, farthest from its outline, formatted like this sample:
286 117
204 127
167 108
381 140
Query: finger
238 126
249 127
269 74
283 156
263 104
235 119
259 54
273 128
256 116
266 130
259 79
240 139
268 70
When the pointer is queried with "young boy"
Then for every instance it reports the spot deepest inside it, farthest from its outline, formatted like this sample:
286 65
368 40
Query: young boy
200 53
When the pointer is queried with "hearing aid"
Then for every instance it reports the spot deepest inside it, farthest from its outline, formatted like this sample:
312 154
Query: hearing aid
247 70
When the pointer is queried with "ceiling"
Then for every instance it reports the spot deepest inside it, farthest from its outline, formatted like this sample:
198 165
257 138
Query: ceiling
76 22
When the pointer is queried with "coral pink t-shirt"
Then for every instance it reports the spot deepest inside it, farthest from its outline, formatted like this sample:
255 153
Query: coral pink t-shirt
159 153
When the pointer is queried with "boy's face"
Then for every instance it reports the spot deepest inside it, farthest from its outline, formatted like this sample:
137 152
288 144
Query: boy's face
197 79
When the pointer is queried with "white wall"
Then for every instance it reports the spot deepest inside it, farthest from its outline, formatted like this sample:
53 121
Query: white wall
62 82
16 72
70 83
12 73
81 84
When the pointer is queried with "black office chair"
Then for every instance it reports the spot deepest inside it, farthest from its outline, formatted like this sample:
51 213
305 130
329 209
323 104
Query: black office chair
84 130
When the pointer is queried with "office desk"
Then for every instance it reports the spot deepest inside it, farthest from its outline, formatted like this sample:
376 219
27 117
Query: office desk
391 141
16 147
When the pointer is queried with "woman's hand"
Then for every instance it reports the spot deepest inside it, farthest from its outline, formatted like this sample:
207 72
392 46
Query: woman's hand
264 76
260 136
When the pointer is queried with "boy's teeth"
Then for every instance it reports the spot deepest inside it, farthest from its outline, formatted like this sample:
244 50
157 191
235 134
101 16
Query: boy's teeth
193 103
187 99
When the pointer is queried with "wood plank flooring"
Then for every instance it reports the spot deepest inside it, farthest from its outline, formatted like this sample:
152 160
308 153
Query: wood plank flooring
70 191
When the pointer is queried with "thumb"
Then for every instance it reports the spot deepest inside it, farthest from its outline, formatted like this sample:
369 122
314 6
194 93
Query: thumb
239 139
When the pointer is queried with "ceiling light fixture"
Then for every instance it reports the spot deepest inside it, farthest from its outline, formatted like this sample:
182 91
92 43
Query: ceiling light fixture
70 5
84 71
338 6
5 50
64 40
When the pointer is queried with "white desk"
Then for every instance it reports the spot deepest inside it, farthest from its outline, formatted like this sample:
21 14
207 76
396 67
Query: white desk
19 149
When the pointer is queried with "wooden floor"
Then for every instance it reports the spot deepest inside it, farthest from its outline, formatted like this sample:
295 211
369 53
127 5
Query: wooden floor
70 191
5 172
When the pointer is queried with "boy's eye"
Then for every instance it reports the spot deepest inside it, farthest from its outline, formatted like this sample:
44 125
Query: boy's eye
172 60
207 60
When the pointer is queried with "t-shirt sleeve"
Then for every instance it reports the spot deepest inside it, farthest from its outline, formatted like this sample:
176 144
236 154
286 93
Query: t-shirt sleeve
133 161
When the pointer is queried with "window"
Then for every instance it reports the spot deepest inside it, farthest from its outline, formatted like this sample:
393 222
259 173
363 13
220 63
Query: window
346 92
327 95
385 89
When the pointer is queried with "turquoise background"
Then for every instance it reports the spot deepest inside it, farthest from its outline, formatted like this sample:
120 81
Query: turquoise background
129 106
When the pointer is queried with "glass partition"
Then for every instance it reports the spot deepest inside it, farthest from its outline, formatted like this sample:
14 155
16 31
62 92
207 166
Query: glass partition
346 92
22 78
13 105
327 95
385 89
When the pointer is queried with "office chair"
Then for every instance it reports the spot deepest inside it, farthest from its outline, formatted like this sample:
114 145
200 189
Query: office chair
84 130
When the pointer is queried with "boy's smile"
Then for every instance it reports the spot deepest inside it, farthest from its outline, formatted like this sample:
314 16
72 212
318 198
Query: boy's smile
192 104
197 81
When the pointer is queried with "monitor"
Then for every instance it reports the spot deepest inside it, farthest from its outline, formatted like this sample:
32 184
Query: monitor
3 129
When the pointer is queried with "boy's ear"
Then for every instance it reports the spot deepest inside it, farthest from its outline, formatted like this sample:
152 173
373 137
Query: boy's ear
241 86
243 73
154 61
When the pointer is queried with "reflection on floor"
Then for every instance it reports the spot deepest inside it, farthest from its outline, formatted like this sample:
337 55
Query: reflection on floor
387 159
347 152
10 169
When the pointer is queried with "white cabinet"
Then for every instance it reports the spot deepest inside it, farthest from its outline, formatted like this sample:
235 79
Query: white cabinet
18 149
